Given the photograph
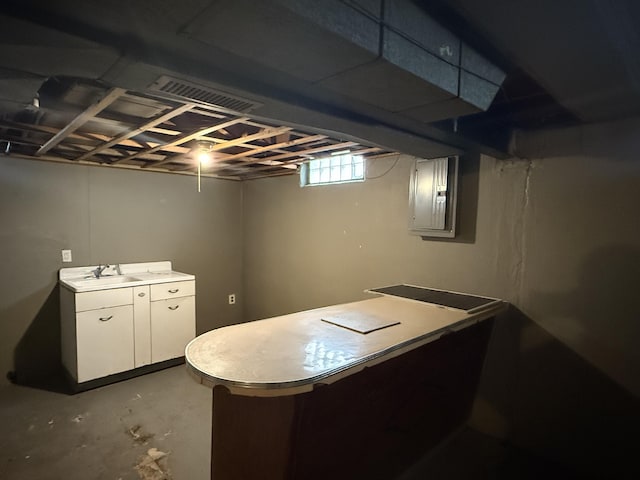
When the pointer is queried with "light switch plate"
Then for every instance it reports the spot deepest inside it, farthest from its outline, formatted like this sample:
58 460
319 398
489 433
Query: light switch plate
66 256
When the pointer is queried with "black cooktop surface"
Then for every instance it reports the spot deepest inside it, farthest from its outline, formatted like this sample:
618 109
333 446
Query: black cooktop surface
438 297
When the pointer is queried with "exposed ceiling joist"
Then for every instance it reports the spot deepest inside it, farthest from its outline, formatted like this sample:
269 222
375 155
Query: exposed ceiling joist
185 138
136 131
278 146
129 129
81 119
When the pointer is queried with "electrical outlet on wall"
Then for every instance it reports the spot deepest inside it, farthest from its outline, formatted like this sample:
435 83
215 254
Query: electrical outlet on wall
232 299
66 256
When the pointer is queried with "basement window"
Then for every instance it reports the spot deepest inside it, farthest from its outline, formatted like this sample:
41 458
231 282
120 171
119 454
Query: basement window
340 167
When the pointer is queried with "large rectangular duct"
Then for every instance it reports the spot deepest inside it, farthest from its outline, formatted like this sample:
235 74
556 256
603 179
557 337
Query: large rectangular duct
31 53
391 55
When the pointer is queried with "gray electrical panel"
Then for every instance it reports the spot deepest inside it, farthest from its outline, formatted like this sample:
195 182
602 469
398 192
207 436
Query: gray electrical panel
432 197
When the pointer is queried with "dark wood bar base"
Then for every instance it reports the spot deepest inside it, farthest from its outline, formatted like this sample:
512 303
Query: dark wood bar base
373 424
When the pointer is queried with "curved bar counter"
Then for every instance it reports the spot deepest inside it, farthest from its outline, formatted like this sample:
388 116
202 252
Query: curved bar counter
310 394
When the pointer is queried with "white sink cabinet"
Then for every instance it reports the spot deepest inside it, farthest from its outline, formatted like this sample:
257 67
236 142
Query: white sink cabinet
131 324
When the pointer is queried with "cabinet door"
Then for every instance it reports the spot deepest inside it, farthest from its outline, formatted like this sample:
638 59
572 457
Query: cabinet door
104 342
172 327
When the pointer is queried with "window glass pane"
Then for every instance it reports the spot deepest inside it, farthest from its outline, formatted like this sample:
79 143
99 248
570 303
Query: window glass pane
336 168
358 170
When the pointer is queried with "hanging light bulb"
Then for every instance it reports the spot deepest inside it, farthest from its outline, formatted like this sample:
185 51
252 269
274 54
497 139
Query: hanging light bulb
203 157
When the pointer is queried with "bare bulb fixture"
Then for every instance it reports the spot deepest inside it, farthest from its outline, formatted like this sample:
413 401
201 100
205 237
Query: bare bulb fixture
203 156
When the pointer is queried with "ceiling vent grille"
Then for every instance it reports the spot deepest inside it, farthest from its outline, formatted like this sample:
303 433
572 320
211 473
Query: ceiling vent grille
195 92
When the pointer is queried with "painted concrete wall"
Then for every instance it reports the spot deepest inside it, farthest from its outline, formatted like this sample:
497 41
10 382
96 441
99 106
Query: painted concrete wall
556 237
325 244
106 216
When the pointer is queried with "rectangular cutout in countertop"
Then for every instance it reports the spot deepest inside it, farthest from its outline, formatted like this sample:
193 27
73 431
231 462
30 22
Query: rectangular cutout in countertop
359 322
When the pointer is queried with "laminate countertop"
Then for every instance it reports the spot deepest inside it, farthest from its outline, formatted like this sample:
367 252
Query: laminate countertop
290 354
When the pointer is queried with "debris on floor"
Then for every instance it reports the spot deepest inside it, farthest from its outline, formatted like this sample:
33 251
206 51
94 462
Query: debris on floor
138 435
78 418
152 466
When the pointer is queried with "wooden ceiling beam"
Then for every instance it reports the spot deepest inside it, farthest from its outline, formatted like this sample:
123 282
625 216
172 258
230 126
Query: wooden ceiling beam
116 121
242 141
304 153
186 138
81 119
266 133
278 146
136 131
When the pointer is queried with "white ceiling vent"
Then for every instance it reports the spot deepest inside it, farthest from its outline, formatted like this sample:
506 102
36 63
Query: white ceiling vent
188 90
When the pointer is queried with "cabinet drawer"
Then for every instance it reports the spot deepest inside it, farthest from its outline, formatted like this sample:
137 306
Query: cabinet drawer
103 299
162 291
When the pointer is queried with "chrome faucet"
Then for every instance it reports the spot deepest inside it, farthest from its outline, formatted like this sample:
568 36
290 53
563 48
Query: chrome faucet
98 271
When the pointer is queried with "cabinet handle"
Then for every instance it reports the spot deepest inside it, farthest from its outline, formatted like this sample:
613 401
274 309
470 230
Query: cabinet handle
175 290
174 307
105 319
141 294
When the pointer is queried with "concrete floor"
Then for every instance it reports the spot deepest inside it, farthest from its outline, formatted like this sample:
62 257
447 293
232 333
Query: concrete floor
102 433
105 433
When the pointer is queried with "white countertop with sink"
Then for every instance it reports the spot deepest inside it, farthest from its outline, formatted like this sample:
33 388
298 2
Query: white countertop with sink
83 279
